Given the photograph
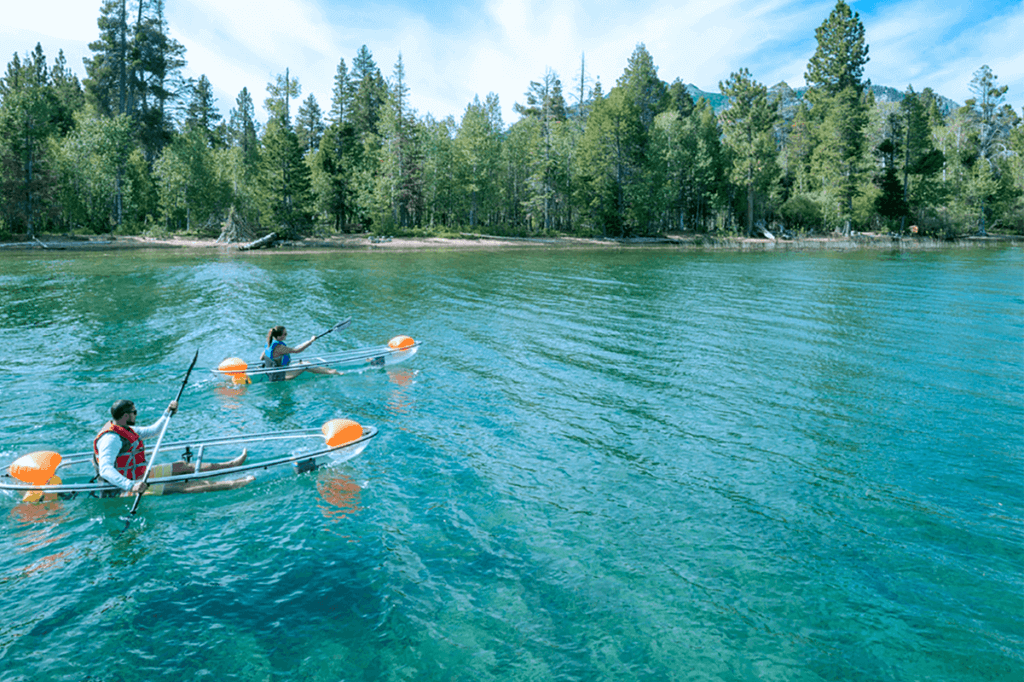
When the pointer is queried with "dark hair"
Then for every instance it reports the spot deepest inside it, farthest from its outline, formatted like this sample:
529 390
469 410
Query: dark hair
118 409
274 332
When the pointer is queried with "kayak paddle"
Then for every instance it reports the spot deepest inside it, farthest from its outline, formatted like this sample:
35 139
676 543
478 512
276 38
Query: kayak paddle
163 430
341 325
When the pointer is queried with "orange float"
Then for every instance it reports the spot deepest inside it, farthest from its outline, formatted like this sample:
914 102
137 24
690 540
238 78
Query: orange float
235 368
35 467
40 496
339 432
400 342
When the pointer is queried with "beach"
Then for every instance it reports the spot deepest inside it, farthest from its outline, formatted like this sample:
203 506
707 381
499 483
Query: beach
366 242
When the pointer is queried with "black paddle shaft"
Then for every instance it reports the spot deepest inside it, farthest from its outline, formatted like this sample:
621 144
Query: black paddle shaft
341 325
138 496
182 389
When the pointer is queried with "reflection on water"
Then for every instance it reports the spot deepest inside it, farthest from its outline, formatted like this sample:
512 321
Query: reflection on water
399 397
231 390
400 376
48 562
37 512
340 493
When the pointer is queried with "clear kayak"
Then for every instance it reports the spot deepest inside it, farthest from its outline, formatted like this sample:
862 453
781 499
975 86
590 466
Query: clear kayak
399 349
298 450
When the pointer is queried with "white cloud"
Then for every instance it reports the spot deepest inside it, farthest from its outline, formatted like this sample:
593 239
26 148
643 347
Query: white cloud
927 46
501 45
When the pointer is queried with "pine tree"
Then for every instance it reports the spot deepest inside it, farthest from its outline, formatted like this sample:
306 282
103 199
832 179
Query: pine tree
203 115
838 158
921 160
280 94
106 83
642 86
285 174
679 98
156 88
545 105
836 93
838 62
68 91
341 96
749 124
369 92
891 203
440 178
399 178
240 162
614 201
988 97
243 129
286 179
582 91
309 125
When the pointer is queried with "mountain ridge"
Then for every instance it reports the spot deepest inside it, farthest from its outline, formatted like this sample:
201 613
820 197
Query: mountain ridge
883 93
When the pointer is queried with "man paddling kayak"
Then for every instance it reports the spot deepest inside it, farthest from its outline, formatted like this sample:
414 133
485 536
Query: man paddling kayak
277 354
120 456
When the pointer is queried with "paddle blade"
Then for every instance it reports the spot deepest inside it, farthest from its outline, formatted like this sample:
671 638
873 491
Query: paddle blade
339 432
35 467
400 342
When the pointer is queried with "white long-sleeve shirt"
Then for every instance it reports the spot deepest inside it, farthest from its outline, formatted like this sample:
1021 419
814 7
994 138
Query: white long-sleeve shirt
109 445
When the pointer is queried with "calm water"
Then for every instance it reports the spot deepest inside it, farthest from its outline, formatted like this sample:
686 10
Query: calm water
632 465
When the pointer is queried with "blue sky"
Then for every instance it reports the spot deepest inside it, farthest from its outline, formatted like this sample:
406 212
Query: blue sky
455 50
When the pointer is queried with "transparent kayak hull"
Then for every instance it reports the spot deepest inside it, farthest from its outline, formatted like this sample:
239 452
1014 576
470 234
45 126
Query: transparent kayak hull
298 451
346 361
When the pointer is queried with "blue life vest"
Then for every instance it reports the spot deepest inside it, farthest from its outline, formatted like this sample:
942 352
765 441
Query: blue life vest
270 361
282 361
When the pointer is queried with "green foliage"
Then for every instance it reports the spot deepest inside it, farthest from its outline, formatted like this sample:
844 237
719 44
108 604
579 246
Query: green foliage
191 193
478 161
332 177
693 166
91 161
33 110
801 212
612 175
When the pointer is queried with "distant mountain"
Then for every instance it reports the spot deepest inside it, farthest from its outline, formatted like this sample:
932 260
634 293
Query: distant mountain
716 99
883 93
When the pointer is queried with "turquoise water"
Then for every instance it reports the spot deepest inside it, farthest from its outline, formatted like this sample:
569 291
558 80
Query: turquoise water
629 465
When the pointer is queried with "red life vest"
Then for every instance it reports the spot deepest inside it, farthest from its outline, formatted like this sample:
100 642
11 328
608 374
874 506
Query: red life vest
131 459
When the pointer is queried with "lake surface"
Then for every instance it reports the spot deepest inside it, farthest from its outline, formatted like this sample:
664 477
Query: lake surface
602 465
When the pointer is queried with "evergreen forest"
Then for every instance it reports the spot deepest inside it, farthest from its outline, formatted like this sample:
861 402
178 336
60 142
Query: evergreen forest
137 148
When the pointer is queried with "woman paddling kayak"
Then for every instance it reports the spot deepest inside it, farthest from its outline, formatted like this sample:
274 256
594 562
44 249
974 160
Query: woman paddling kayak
277 354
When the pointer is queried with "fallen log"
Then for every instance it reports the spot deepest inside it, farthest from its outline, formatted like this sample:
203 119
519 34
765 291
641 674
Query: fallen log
259 243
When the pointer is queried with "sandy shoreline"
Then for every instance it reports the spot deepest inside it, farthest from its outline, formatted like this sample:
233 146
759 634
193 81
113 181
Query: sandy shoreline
368 243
